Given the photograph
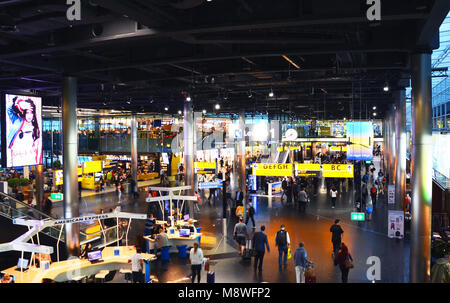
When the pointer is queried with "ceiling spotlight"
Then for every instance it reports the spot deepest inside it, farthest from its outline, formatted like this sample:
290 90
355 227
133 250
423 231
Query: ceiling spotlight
374 108
345 118
217 106
204 111
271 93
166 108
374 114
128 102
188 99
250 94
386 87
179 112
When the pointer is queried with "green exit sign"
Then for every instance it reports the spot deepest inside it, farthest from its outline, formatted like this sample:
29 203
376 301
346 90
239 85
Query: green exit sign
56 196
357 216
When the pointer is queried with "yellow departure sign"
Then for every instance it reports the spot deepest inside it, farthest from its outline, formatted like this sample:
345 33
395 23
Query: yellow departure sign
205 167
272 169
337 170
307 170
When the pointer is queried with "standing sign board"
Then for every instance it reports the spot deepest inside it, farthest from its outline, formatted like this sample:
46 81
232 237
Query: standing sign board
396 224
391 194
272 169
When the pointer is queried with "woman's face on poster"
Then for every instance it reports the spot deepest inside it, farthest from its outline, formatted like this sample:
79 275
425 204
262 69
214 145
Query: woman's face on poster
29 115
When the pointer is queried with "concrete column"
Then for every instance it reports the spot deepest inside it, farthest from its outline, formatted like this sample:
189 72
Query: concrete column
400 138
241 157
393 148
134 154
421 168
39 185
188 130
70 163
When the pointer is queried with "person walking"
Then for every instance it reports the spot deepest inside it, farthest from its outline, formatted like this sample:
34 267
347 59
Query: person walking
241 234
196 258
283 242
250 213
333 195
373 195
300 262
284 186
137 264
260 243
336 236
302 200
344 260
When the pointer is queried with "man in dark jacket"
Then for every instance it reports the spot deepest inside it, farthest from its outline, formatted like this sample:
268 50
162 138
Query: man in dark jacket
260 243
336 236
239 197
283 242
250 213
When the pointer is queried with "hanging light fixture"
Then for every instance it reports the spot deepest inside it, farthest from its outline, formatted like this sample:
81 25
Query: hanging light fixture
386 87
271 93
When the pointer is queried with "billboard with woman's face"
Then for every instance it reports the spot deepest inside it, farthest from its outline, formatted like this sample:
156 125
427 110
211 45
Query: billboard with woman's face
23 130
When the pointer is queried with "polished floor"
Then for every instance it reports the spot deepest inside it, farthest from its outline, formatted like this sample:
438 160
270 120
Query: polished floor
364 239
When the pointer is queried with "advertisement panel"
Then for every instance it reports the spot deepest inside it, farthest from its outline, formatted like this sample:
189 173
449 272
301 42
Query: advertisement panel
337 170
360 141
272 169
396 224
22 141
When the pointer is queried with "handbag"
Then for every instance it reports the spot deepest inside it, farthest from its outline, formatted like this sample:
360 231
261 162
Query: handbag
289 254
348 263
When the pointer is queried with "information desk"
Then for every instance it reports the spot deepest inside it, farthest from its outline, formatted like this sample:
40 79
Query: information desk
68 269
174 240
179 222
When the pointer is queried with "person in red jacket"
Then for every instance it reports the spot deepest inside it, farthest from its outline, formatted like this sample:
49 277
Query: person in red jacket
344 259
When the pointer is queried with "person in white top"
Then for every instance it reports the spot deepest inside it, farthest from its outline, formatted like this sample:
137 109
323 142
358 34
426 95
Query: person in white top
196 258
137 266
333 194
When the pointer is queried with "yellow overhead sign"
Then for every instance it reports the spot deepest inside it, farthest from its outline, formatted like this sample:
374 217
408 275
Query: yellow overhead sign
92 167
307 170
205 167
337 170
272 169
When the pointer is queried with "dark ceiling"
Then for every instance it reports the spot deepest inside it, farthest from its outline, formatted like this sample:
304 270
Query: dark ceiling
313 54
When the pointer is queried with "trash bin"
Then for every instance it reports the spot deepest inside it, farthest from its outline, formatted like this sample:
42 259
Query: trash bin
165 256
182 251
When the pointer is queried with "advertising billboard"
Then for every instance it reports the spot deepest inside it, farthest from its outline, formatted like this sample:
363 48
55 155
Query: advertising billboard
22 138
360 140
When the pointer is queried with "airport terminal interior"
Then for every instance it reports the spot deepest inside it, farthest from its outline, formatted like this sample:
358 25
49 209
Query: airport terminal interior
213 141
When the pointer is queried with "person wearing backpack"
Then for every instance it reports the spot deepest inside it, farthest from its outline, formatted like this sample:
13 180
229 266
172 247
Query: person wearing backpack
250 213
373 195
283 242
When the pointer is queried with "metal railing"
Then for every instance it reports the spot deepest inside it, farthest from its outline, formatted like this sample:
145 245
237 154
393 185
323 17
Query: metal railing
12 208
441 180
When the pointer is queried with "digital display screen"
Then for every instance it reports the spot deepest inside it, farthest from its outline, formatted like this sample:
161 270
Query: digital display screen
22 263
185 232
94 255
23 130
165 158
360 141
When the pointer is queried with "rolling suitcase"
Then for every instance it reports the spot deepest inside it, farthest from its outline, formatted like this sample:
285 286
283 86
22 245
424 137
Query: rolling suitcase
248 252
210 277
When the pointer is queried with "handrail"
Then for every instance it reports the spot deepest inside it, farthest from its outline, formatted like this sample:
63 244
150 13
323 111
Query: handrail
26 205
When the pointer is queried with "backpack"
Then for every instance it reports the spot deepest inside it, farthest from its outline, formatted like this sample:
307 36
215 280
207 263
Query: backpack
281 238
373 190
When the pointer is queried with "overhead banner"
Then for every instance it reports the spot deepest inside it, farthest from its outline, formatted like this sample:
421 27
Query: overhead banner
337 170
22 141
307 170
360 141
205 167
272 169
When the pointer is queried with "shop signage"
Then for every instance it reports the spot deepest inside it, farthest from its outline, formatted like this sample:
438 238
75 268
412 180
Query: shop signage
56 196
118 158
357 216
82 219
58 176
307 170
395 224
337 170
205 167
272 169
208 185
92 167
391 194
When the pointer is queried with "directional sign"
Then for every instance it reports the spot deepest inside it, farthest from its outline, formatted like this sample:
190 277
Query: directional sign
207 185
272 169
205 167
307 170
337 170
357 216
56 196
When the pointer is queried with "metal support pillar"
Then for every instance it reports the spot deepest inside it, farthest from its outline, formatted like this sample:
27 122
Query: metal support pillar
421 168
393 148
39 186
134 154
400 138
70 163
188 130
241 162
